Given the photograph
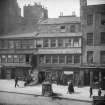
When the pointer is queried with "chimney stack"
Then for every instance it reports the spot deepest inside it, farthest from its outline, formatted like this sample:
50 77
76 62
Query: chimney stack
83 3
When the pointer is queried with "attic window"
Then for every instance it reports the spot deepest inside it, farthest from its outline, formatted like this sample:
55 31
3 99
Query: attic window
62 27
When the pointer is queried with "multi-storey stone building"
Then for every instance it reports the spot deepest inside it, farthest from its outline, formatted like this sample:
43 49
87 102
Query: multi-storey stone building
93 28
59 45
16 52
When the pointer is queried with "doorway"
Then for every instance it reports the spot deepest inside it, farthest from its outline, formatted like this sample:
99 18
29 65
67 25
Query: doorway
87 78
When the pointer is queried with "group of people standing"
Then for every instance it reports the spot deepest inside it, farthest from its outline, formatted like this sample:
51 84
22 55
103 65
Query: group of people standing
91 91
71 89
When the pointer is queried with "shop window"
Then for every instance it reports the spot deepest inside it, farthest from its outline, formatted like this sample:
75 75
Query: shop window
102 37
76 58
68 42
89 19
10 58
3 59
45 43
21 58
53 42
41 59
76 42
89 39
55 59
61 59
72 28
69 59
102 18
48 58
102 57
16 59
60 42
89 56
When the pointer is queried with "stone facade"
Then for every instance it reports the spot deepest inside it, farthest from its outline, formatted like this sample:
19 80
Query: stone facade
16 53
93 25
59 44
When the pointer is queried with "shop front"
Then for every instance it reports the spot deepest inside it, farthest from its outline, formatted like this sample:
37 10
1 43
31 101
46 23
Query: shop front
12 72
62 75
94 76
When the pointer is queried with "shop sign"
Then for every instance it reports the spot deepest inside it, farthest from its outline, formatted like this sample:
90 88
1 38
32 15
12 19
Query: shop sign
68 72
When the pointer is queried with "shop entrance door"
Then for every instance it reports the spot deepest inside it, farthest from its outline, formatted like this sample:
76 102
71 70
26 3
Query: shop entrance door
86 78
3 73
13 73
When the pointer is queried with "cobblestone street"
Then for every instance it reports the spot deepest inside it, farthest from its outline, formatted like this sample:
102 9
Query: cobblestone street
20 99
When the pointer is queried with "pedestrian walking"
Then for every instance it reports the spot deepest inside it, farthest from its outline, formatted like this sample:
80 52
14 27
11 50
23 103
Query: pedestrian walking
91 91
16 82
99 92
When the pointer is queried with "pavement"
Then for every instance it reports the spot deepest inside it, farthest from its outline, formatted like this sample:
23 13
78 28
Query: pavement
80 94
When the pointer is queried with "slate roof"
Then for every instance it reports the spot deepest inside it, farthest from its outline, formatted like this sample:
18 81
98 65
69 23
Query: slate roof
61 19
24 35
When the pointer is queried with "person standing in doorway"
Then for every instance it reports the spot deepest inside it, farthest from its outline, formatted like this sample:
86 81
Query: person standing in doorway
16 82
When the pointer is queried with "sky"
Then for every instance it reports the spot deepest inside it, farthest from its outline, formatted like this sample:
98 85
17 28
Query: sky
56 6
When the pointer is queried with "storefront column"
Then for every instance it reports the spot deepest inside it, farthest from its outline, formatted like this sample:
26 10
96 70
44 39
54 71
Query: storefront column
100 78
91 78
81 78
37 61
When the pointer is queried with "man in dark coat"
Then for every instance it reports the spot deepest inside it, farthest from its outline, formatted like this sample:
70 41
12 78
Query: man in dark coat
91 91
70 87
16 82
